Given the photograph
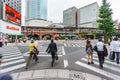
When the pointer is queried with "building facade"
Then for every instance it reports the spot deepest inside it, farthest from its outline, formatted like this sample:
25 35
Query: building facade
37 9
1 9
70 17
88 15
15 4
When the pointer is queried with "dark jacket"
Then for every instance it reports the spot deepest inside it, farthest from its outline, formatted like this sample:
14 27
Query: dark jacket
52 48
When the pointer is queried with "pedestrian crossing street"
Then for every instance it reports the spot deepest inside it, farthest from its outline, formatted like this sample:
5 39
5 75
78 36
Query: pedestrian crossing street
110 69
12 59
42 49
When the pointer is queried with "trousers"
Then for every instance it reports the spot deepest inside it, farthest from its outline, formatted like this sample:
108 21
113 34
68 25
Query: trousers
101 58
30 56
117 56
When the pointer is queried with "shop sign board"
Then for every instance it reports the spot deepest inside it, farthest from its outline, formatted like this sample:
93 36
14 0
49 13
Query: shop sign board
10 28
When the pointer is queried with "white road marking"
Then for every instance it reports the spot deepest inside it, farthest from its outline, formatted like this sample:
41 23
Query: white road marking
12 68
63 50
106 61
65 63
6 54
104 65
100 71
44 55
12 62
11 56
5 60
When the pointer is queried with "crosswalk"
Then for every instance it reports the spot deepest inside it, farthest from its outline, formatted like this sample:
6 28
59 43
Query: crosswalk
110 69
73 45
42 50
12 59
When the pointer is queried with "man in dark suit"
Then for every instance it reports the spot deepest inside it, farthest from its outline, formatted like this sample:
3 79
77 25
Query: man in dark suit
52 48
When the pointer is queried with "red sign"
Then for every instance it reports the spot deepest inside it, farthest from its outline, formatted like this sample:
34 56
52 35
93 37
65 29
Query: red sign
12 28
13 15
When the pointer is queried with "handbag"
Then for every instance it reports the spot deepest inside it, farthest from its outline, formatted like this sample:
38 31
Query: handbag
56 56
95 48
105 51
1 56
89 50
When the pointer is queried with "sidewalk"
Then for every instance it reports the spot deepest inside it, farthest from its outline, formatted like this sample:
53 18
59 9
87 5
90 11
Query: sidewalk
54 74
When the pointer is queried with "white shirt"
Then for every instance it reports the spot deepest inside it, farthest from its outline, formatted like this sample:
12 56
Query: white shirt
115 46
100 46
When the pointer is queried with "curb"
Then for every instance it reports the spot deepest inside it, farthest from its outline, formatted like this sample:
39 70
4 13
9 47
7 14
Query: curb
54 74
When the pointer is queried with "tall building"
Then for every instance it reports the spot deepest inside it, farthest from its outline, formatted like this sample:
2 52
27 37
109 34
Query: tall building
15 4
1 9
70 17
37 9
88 15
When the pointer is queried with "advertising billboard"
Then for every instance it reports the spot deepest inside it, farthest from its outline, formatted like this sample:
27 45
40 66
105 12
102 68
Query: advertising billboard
12 15
9 28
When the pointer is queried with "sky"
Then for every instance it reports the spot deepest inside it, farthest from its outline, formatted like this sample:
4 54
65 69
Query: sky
56 8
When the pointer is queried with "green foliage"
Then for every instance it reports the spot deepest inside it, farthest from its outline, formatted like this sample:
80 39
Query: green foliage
105 21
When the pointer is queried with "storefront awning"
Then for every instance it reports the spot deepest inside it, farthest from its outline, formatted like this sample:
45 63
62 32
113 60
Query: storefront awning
71 35
15 34
62 35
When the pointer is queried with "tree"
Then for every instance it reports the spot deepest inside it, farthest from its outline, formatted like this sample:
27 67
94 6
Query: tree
105 21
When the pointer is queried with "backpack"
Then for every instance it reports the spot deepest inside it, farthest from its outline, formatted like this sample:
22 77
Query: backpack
89 50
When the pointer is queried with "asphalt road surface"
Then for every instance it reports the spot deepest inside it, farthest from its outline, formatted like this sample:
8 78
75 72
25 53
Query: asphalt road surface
71 54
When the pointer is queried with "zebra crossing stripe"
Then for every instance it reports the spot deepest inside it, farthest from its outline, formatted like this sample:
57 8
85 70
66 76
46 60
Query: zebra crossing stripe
43 55
12 62
6 54
100 71
107 66
65 63
12 68
9 59
106 61
11 56
63 50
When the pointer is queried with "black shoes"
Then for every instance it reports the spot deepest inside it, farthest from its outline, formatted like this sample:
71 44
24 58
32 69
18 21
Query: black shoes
90 63
51 64
101 66
36 60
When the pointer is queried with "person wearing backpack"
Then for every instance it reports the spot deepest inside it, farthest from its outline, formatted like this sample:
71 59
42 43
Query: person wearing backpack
89 52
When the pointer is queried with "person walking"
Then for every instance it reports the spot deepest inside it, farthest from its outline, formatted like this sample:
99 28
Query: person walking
32 52
89 52
116 49
6 41
100 52
52 48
